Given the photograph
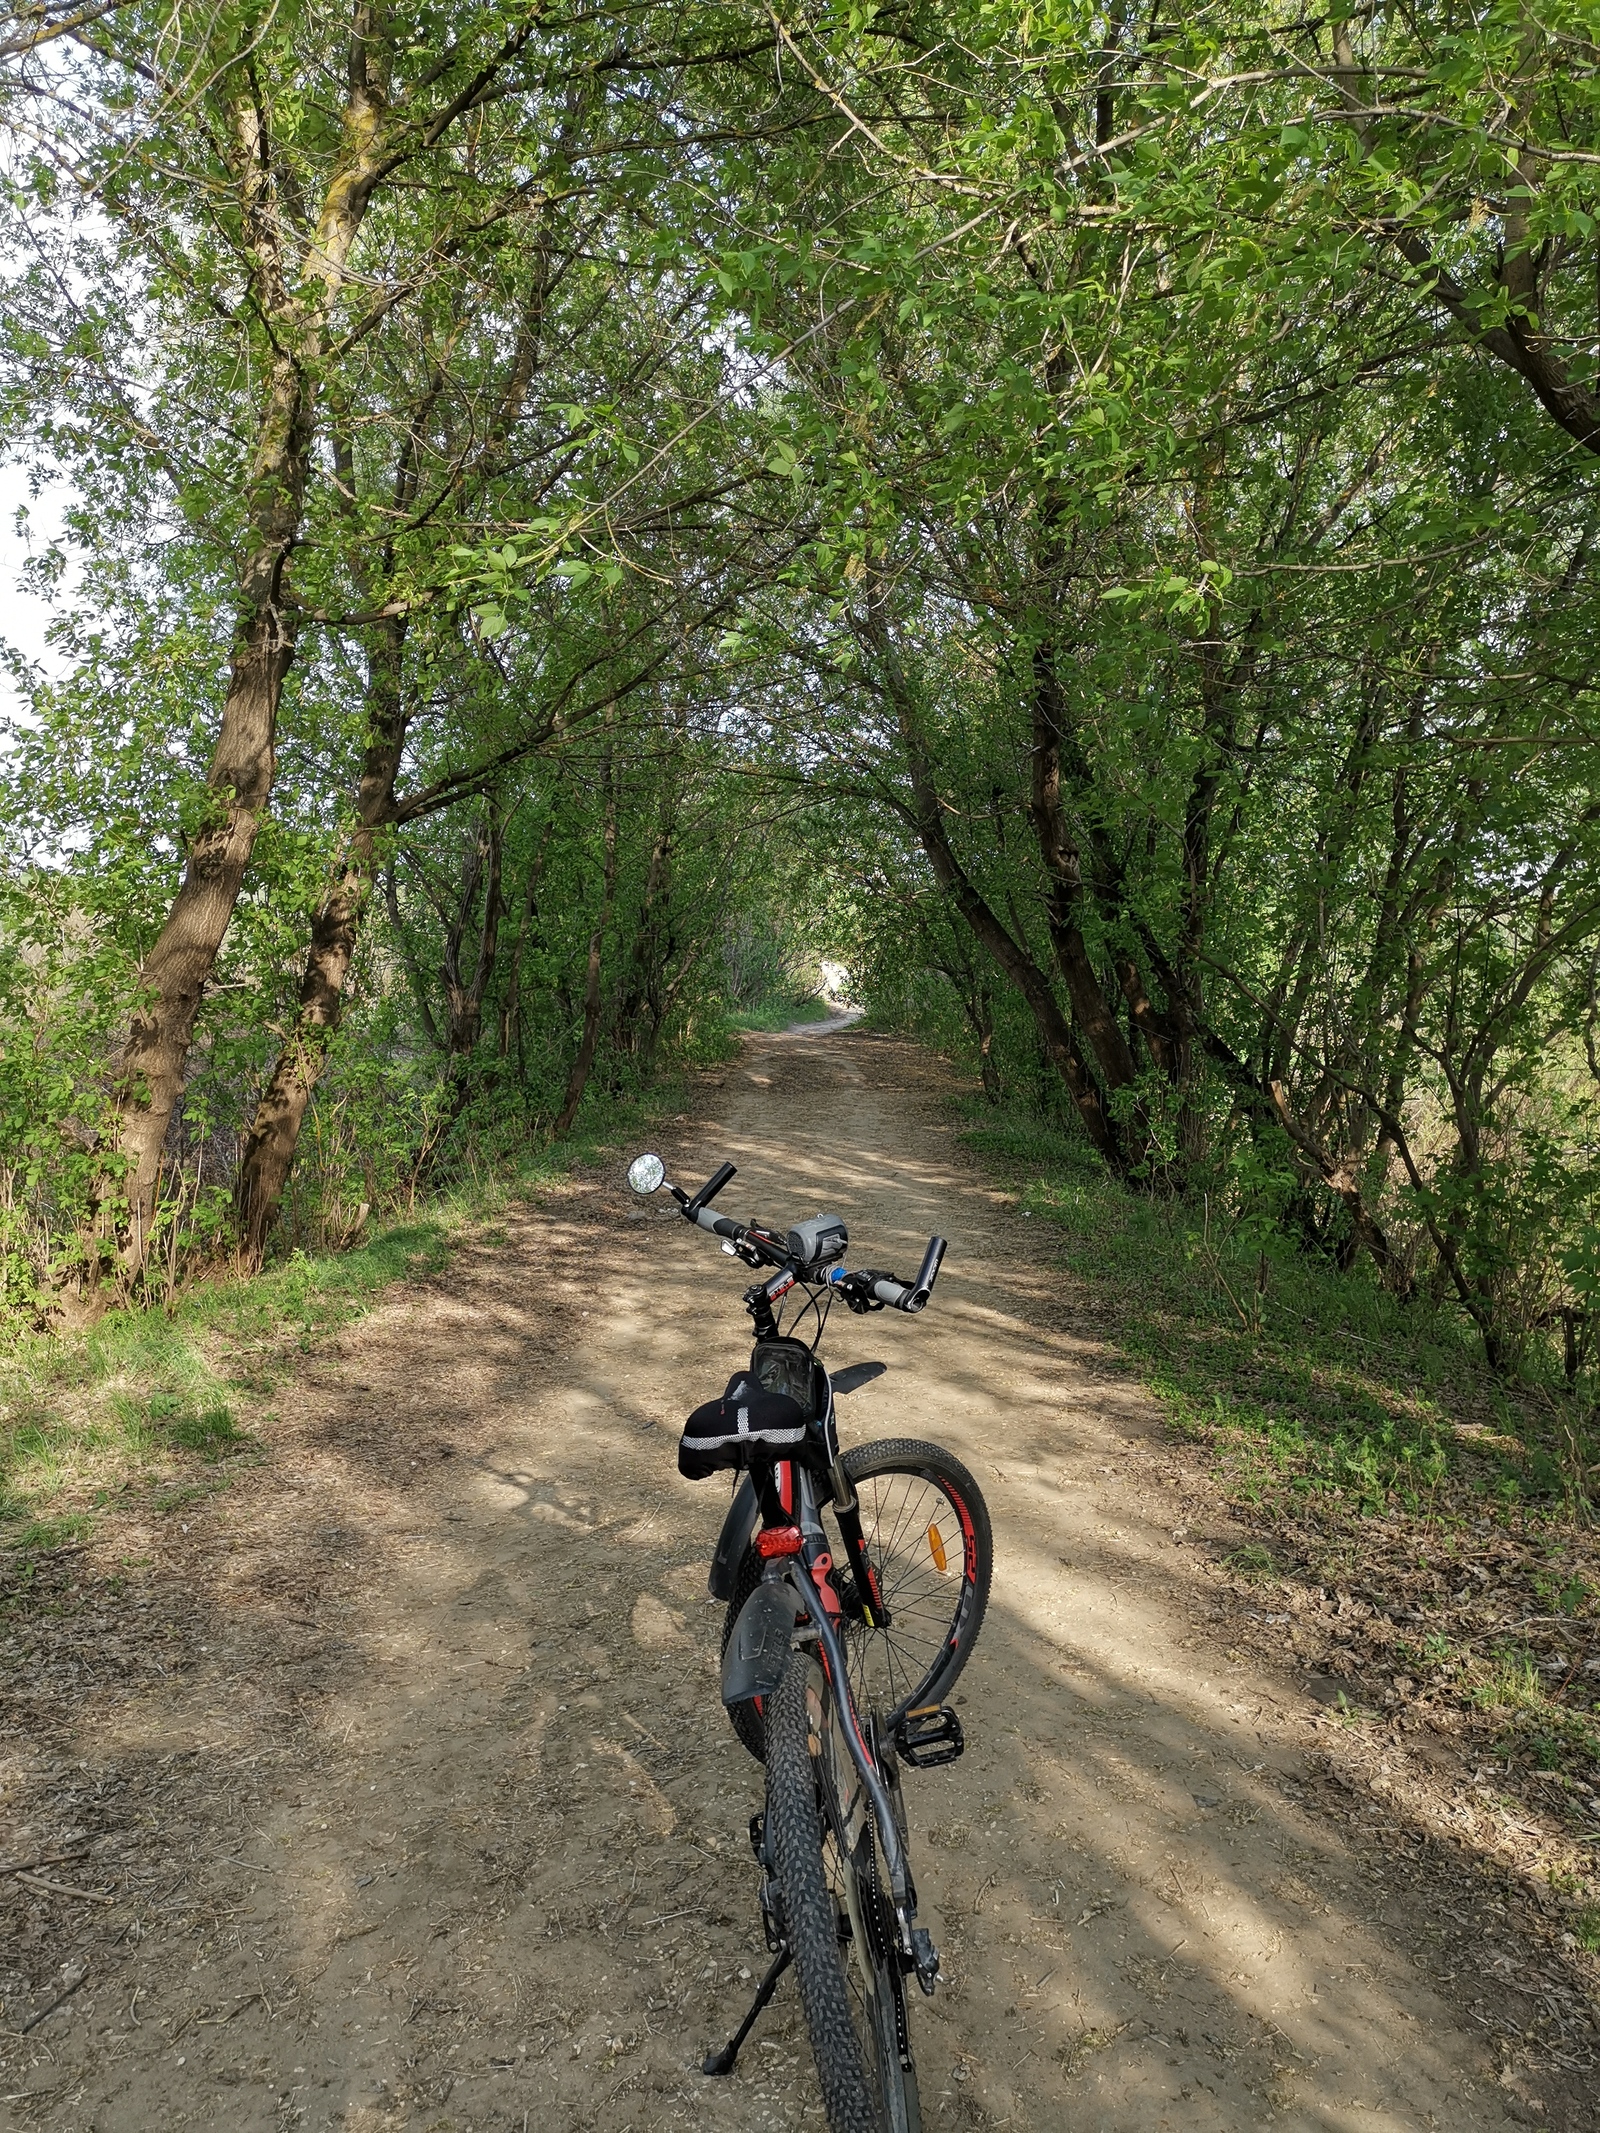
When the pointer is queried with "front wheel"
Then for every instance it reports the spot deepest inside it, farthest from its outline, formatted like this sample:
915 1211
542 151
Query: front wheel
925 1530
836 1911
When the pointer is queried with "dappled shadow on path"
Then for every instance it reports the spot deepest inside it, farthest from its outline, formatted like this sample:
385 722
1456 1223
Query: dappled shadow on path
431 1815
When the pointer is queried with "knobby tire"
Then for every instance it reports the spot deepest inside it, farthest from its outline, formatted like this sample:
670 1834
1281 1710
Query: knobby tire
855 2064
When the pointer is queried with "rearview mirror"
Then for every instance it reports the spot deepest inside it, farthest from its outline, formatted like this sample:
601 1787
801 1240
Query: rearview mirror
647 1174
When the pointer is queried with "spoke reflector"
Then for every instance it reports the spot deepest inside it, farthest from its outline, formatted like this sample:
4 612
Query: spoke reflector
936 1548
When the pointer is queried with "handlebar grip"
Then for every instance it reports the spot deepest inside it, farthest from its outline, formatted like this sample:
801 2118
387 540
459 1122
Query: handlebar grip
708 1191
891 1292
922 1287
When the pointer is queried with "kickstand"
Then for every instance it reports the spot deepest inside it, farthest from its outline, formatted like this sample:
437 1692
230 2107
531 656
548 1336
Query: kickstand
722 2062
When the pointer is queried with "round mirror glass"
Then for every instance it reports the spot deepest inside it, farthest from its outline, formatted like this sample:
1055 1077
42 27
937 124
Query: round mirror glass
647 1173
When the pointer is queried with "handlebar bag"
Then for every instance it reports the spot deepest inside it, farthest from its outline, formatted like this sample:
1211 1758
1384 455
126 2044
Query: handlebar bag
786 1365
746 1423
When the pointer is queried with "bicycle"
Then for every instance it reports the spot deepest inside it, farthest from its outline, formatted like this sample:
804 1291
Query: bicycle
855 1584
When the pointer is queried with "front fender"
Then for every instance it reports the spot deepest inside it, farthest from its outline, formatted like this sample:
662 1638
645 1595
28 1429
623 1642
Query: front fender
758 1650
738 1530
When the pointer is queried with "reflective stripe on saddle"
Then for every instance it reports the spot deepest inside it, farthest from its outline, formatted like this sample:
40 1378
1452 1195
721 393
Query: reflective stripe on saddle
747 1420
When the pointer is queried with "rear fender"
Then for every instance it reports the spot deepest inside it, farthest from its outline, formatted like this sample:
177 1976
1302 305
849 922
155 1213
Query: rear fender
738 1531
758 1650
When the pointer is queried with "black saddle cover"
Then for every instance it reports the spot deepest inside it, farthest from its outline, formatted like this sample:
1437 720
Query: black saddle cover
747 1422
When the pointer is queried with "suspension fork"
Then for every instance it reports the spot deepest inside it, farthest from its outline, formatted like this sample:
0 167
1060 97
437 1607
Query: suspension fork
847 1510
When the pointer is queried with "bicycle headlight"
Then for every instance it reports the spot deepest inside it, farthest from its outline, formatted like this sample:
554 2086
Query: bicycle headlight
819 1241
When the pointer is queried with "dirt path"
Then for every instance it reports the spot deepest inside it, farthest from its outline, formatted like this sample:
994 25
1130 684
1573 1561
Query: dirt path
404 1767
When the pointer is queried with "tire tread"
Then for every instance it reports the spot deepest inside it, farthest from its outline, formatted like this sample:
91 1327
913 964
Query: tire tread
796 1831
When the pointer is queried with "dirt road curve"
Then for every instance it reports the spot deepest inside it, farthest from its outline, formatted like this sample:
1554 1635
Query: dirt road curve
418 1808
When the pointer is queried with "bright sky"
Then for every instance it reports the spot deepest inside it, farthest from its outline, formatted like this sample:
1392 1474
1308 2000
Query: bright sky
23 619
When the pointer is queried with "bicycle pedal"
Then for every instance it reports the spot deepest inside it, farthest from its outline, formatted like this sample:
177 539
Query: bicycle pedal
927 1738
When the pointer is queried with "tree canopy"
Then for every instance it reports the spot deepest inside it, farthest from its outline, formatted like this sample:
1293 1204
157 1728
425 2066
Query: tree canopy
1087 517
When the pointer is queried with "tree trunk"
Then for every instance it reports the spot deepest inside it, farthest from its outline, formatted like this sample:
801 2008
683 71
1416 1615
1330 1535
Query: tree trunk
511 1006
1055 1032
177 967
979 1002
1340 1176
274 1134
639 1015
578 1079
1093 1012
280 1115
465 995
298 298
660 1008
976 1001
1270 1100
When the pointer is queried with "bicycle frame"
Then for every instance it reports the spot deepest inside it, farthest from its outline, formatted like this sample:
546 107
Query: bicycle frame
745 1515
790 1502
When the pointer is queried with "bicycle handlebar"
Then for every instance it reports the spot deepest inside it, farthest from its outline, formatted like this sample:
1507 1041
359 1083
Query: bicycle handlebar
888 1289
864 1288
695 1207
927 1274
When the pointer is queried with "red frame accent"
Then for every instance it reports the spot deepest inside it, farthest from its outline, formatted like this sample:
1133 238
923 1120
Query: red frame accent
821 1568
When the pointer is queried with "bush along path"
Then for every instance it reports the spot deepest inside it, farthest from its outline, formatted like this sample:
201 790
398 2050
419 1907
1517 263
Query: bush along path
1423 1538
389 1787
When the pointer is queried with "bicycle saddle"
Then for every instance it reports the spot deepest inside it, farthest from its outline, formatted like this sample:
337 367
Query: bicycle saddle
747 1422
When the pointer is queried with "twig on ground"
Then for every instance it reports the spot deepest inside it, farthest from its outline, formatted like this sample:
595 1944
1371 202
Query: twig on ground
61 1888
27 1866
246 1999
73 1975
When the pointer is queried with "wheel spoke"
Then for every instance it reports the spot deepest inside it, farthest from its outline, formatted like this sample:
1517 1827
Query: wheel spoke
897 1510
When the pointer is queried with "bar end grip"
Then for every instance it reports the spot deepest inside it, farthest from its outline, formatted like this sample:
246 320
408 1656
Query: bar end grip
928 1274
709 1190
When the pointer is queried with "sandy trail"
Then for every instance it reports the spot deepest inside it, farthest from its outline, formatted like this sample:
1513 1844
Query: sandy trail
405 1769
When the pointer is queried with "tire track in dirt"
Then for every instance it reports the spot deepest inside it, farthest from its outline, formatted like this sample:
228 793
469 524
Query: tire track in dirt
417 1807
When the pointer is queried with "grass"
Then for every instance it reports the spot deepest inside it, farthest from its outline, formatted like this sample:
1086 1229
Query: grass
1361 1443
158 1403
145 1396
1306 1381
1511 1684
782 1013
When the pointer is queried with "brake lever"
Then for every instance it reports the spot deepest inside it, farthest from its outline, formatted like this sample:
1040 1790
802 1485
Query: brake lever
857 1295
